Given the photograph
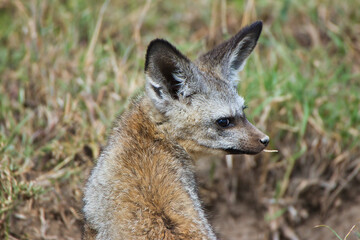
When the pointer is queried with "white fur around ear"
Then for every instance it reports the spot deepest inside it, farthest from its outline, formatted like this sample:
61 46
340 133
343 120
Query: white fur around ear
165 69
159 91
235 64
231 55
153 88
184 91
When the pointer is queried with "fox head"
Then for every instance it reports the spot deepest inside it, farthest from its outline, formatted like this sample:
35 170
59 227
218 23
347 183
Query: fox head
198 100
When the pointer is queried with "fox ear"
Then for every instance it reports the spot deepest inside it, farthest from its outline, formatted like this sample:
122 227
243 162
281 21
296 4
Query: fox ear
167 71
230 56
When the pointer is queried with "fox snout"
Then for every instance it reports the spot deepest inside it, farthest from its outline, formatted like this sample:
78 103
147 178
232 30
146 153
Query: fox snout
252 140
257 139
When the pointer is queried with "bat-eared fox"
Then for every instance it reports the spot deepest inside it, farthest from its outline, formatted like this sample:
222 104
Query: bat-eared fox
143 184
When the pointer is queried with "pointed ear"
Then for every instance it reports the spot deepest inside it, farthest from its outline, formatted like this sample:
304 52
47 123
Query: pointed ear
230 56
166 70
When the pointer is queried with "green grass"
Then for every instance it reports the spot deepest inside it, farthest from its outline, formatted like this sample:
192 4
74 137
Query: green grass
58 96
337 235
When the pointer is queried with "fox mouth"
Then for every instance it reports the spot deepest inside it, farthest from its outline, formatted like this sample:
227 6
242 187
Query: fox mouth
237 151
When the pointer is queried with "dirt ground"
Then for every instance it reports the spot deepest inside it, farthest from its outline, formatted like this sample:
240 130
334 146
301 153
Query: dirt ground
245 217
57 215
240 221
248 224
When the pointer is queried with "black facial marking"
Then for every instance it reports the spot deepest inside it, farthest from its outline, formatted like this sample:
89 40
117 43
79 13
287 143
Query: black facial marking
237 151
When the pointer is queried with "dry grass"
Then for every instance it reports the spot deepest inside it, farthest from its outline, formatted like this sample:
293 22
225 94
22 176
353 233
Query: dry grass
67 68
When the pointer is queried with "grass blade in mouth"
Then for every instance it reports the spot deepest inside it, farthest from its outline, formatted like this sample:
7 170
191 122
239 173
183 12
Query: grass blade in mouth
268 150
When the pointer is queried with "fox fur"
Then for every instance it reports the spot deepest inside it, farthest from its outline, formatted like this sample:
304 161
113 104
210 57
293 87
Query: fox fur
143 185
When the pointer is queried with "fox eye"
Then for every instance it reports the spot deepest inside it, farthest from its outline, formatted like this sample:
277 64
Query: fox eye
223 122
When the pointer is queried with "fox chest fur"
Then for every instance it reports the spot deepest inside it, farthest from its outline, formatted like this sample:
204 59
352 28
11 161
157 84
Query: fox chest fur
143 184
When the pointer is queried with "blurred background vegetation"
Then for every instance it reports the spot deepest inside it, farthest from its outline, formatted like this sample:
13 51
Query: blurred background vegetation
67 68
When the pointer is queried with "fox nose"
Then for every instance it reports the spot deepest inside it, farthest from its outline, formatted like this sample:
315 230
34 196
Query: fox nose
265 140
